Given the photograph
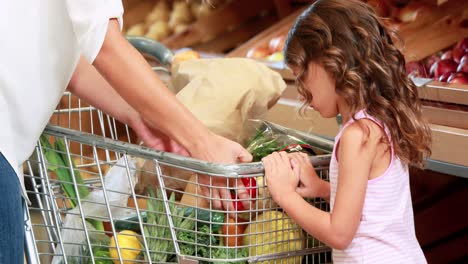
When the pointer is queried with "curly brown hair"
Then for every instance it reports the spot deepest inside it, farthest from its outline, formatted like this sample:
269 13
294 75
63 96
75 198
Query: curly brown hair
348 40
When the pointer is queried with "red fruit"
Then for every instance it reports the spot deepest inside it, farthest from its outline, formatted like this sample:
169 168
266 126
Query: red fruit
457 55
458 77
258 53
447 55
416 68
277 43
462 44
460 50
464 58
444 77
430 61
443 66
463 66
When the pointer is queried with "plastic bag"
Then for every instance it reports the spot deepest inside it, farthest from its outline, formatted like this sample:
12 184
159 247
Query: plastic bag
118 189
266 140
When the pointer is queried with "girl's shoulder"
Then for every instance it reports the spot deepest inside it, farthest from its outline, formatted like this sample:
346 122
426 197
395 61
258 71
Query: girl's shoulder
364 131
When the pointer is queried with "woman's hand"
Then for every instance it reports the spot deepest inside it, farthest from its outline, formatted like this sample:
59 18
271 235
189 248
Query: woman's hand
280 177
221 150
310 185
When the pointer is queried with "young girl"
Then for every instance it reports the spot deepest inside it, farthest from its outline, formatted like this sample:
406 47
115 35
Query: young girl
346 63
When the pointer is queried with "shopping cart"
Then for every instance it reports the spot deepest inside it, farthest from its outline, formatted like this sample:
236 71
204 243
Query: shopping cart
164 228
99 197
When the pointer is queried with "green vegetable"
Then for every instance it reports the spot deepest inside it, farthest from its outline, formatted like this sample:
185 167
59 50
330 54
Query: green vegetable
100 248
101 257
58 162
157 230
202 243
262 144
130 223
265 142
206 218
83 191
195 229
57 165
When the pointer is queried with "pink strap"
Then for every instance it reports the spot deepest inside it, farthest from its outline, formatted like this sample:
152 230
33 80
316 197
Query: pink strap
362 114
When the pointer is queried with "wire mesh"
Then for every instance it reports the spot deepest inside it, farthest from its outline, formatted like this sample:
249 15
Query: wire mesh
100 198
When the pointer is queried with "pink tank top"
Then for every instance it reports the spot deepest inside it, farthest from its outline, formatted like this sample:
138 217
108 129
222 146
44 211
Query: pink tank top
386 231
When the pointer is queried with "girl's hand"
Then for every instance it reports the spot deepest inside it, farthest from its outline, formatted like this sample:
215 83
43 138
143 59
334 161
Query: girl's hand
280 177
310 185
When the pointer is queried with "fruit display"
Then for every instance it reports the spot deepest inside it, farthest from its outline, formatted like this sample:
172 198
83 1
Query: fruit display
396 15
171 17
400 12
450 65
272 51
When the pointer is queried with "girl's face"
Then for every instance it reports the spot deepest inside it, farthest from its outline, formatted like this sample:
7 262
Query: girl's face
322 87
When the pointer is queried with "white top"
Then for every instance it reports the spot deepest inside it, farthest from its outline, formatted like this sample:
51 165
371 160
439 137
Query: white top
386 231
41 44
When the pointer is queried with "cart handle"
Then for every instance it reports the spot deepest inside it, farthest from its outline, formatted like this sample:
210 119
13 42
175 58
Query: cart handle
171 159
153 48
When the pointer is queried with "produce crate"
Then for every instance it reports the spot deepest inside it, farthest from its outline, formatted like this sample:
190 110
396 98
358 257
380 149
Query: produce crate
423 28
88 188
214 26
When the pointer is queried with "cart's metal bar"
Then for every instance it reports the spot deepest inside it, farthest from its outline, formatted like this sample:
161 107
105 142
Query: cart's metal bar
45 213
167 208
140 220
106 199
31 252
75 185
291 254
319 141
43 172
228 170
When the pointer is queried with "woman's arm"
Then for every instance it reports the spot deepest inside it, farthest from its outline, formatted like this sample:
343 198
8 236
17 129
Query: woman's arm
337 228
130 75
91 87
132 78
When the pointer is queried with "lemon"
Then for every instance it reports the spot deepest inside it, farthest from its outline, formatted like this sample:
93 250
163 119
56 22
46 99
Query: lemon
129 246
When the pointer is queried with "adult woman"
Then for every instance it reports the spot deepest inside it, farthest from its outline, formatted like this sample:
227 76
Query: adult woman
45 44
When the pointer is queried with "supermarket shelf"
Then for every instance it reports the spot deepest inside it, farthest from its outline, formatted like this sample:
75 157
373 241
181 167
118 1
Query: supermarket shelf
447 168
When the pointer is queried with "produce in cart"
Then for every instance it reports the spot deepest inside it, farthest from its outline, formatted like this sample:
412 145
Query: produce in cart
274 232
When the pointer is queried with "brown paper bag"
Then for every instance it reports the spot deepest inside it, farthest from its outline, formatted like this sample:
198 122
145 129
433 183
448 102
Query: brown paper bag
223 94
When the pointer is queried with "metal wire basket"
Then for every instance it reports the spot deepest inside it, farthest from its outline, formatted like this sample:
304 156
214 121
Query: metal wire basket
113 184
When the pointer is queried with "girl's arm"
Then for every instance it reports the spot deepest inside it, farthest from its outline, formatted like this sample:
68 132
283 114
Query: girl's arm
337 228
